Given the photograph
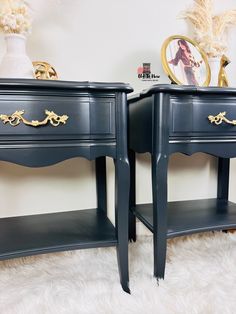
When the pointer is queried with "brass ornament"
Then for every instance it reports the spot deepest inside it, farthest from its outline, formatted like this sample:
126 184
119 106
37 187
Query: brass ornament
44 71
222 77
17 117
218 119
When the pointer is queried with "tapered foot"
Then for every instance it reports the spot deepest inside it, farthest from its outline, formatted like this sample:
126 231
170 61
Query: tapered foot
160 256
126 288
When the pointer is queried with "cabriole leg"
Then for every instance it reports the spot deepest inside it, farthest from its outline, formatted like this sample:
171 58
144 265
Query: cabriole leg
132 200
101 183
122 185
159 190
223 178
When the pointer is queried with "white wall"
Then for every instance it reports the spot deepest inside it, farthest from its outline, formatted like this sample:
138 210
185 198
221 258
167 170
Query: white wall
105 40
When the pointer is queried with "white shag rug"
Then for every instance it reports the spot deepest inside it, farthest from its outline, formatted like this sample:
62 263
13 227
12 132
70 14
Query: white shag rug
200 278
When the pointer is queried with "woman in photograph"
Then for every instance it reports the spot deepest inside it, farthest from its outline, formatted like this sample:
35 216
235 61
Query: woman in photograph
189 64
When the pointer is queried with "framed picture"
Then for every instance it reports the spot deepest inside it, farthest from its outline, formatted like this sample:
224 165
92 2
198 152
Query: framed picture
184 62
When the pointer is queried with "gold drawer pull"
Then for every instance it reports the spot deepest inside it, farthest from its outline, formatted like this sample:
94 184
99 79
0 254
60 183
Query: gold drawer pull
221 118
17 117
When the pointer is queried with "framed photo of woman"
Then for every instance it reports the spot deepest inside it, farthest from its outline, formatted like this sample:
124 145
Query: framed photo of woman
184 62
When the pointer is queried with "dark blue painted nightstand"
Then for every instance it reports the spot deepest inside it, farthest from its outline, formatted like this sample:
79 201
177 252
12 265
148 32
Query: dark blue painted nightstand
46 122
166 119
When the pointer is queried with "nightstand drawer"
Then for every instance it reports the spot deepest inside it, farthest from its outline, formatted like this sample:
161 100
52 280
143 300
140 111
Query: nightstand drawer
50 117
205 114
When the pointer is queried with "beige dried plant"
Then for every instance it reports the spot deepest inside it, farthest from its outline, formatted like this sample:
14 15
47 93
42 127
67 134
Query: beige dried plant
15 17
210 30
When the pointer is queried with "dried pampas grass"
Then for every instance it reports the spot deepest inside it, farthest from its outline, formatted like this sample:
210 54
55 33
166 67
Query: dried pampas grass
210 30
15 17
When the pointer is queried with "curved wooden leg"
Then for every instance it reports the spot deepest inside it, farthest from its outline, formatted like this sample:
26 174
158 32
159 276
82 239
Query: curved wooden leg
223 178
132 227
159 190
132 200
101 183
122 185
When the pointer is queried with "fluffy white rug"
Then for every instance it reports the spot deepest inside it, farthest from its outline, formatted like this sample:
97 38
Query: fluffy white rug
200 278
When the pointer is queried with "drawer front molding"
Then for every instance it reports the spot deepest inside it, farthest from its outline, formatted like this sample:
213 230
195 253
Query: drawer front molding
198 115
72 117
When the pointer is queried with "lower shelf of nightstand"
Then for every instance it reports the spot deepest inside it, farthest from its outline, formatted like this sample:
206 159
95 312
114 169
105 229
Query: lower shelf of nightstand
44 233
187 217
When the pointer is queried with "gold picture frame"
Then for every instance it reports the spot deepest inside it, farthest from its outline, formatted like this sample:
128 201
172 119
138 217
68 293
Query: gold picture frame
184 62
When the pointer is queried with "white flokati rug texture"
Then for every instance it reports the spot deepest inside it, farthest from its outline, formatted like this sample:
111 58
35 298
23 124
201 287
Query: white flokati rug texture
200 278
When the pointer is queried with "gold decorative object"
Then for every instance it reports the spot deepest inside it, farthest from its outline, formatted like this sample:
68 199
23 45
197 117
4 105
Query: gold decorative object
17 117
184 62
218 119
222 77
44 71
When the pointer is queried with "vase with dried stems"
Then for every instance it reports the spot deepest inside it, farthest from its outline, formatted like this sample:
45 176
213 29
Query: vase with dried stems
210 31
15 24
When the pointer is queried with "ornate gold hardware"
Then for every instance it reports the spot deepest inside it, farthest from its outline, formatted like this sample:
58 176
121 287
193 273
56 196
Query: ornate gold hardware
221 118
17 117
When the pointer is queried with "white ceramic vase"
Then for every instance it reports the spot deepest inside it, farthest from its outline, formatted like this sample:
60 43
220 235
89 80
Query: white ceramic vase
16 63
214 64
